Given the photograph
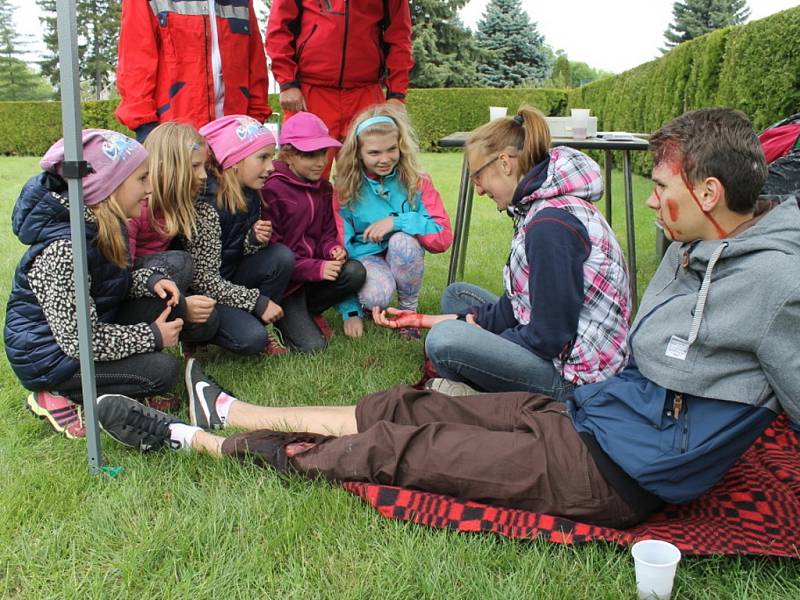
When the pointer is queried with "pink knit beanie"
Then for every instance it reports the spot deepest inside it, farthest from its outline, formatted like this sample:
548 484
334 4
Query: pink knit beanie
112 156
235 137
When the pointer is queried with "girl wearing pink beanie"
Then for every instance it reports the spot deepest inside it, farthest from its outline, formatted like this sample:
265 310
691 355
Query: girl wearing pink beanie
234 262
41 337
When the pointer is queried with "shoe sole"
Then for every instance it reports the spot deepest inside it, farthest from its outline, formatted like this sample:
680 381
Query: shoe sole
44 415
190 388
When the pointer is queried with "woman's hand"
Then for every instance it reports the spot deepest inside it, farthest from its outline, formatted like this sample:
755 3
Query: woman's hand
167 290
169 330
354 327
199 308
263 231
395 318
379 230
272 313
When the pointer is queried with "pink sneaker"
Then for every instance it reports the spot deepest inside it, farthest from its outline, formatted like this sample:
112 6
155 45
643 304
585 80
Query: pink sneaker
323 325
64 416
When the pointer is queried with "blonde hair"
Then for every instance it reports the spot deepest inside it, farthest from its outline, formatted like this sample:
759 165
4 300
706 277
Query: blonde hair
349 168
527 133
230 195
175 186
110 239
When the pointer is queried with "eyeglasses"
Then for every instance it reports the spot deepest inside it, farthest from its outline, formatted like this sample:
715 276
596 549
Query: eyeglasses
475 177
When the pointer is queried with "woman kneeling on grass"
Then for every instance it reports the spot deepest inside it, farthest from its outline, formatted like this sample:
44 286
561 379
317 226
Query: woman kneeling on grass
563 319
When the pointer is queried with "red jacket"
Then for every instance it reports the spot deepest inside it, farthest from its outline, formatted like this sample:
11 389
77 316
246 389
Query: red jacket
164 70
341 43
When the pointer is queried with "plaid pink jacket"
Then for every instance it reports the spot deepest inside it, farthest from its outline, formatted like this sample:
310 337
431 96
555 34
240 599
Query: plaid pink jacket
600 348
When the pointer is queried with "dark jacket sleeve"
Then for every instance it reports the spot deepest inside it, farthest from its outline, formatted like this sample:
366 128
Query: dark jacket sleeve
556 245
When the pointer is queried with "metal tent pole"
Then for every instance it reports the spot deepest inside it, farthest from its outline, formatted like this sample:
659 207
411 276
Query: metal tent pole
75 168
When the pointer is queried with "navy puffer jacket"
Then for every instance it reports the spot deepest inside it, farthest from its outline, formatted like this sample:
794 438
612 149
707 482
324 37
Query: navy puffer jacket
41 217
235 227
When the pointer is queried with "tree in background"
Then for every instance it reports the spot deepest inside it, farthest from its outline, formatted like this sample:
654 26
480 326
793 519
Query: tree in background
515 53
17 81
98 34
445 52
693 18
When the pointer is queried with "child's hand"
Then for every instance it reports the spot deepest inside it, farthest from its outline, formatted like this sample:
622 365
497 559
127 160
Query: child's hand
167 290
262 230
339 253
272 313
331 270
379 230
169 330
400 318
354 327
199 308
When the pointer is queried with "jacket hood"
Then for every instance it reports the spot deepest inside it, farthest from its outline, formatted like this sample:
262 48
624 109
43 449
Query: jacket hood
776 231
282 172
569 173
42 205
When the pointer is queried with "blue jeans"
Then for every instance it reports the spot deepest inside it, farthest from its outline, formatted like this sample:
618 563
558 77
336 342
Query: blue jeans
269 270
462 352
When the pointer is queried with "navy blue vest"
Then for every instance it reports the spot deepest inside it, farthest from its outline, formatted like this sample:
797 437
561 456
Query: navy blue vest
41 217
234 226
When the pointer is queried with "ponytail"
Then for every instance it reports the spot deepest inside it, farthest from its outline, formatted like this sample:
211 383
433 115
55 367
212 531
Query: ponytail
527 133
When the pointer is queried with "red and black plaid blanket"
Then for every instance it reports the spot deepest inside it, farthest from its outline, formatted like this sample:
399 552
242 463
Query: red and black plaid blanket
755 509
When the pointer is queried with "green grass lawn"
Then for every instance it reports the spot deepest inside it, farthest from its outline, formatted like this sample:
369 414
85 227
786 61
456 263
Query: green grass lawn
175 525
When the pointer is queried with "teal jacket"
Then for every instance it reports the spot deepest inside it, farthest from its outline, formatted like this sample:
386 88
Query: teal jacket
425 219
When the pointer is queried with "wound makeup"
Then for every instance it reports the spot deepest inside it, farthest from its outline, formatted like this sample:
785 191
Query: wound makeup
689 186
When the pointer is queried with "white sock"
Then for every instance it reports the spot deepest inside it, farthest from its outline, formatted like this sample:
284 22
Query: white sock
223 404
182 435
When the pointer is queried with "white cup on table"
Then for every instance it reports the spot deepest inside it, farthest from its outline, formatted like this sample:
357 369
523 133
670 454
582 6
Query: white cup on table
580 123
655 562
495 112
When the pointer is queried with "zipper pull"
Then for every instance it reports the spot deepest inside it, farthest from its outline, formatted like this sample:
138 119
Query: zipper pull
677 405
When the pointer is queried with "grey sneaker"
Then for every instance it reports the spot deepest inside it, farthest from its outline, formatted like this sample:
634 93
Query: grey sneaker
203 393
450 387
133 424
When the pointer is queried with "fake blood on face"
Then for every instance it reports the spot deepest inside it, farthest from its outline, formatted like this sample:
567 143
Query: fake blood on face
717 227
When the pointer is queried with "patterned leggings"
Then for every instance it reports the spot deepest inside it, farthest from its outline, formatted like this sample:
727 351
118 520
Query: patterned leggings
400 269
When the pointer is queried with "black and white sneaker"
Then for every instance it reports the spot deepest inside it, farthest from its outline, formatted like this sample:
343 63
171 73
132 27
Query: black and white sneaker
133 424
203 393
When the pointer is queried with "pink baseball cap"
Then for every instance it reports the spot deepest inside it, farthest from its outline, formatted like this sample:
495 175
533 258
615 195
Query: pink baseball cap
112 155
307 133
235 137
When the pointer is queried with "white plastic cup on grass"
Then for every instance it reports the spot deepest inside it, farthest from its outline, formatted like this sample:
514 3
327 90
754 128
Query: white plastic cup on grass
495 112
580 123
655 562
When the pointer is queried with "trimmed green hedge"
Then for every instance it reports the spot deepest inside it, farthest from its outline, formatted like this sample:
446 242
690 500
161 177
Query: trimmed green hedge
753 67
436 113
29 128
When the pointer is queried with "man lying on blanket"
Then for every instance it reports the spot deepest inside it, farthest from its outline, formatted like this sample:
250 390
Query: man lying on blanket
715 359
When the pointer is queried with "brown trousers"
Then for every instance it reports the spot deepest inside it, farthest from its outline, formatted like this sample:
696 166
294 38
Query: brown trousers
514 449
